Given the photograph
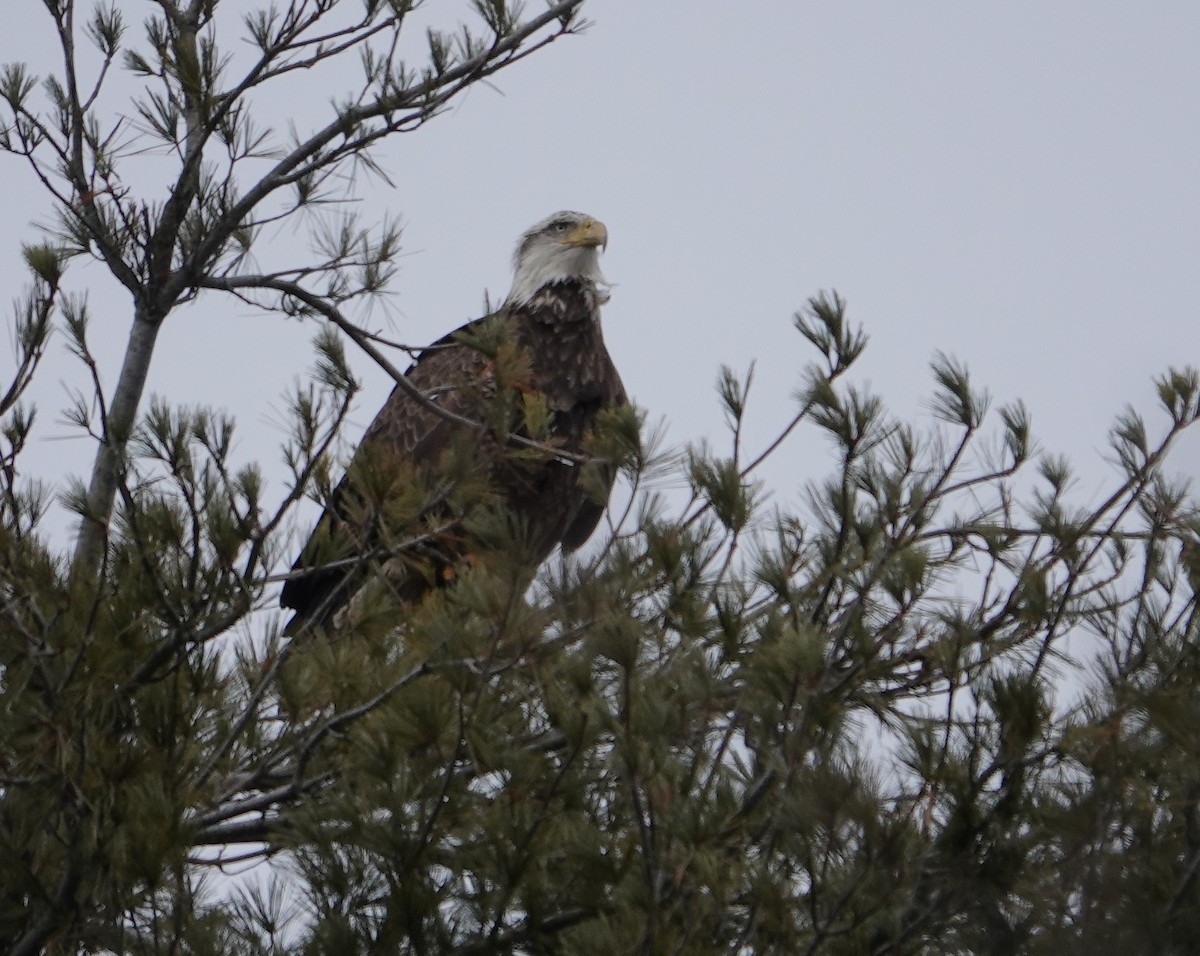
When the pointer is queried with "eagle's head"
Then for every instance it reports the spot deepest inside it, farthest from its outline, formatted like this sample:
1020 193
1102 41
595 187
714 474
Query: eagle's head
566 245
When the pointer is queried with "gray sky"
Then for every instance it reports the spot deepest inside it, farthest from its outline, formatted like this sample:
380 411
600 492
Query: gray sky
1015 184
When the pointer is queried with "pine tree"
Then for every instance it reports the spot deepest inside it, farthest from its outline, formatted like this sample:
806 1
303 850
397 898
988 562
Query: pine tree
933 707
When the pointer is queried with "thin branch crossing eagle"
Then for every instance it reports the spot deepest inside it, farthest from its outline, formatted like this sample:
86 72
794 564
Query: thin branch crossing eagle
490 423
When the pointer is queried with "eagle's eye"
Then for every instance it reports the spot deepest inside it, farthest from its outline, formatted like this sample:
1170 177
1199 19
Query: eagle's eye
560 226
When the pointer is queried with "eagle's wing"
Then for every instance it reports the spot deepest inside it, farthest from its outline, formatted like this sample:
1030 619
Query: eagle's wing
586 518
403 444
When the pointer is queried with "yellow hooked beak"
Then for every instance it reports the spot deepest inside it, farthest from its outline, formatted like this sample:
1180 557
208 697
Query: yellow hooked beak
590 232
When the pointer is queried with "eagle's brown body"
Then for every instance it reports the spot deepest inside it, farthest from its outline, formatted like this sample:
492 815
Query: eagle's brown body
403 500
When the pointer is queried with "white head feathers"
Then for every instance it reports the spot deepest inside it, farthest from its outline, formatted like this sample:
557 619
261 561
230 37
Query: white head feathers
566 245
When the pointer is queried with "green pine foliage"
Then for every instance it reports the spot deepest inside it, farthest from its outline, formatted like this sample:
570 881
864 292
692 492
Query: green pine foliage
931 708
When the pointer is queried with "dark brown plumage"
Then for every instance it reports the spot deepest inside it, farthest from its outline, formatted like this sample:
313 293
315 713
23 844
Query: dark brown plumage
411 493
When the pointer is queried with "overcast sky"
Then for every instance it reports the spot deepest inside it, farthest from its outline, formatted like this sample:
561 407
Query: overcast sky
1013 183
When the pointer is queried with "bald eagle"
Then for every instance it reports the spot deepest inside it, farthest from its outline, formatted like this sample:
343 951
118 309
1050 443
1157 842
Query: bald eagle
537 368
